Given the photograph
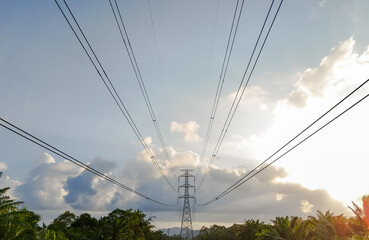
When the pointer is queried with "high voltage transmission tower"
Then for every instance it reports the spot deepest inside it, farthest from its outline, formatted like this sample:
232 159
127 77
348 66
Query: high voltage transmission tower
186 225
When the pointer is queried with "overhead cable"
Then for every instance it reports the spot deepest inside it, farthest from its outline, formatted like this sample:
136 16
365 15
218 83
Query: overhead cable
160 70
26 135
241 90
109 85
260 167
136 69
226 58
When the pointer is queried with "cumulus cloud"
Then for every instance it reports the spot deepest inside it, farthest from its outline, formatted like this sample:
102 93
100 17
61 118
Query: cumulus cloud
322 3
189 129
279 197
45 159
254 114
254 95
82 189
148 140
54 186
298 98
318 89
340 67
59 186
3 166
6 181
79 190
43 188
141 174
262 197
306 206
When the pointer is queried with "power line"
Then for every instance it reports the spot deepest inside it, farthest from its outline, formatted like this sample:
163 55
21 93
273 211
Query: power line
160 69
161 74
226 58
26 135
207 80
109 85
239 94
136 69
234 105
260 167
155 39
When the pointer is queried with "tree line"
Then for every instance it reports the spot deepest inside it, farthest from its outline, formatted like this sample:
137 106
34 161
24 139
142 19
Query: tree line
18 222
323 226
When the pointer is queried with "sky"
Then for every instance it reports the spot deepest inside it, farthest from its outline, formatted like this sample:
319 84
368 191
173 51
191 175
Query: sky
316 53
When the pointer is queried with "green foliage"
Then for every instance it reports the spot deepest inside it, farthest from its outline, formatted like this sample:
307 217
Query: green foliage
248 230
362 215
16 223
289 228
19 223
61 225
323 226
215 232
118 225
125 224
47 234
327 226
7 205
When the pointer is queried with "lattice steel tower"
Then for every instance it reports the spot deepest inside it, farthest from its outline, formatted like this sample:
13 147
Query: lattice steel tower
186 226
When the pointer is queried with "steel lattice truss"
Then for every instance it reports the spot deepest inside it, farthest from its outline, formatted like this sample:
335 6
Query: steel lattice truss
186 225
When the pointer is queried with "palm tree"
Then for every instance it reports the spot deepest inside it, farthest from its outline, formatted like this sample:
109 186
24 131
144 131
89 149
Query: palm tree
361 228
327 226
7 205
247 230
362 214
16 223
288 228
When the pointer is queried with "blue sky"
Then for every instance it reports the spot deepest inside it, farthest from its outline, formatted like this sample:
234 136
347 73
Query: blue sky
316 53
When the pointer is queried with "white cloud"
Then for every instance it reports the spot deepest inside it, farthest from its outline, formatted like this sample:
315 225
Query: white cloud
252 117
252 94
262 197
43 188
3 166
339 69
185 159
255 199
141 169
60 186
322 3
279 196
316 90
87 191
189 129
6 181
266 195
306 207
45 159
148 140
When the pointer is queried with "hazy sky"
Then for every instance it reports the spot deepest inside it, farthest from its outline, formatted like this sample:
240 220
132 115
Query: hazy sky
316 53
